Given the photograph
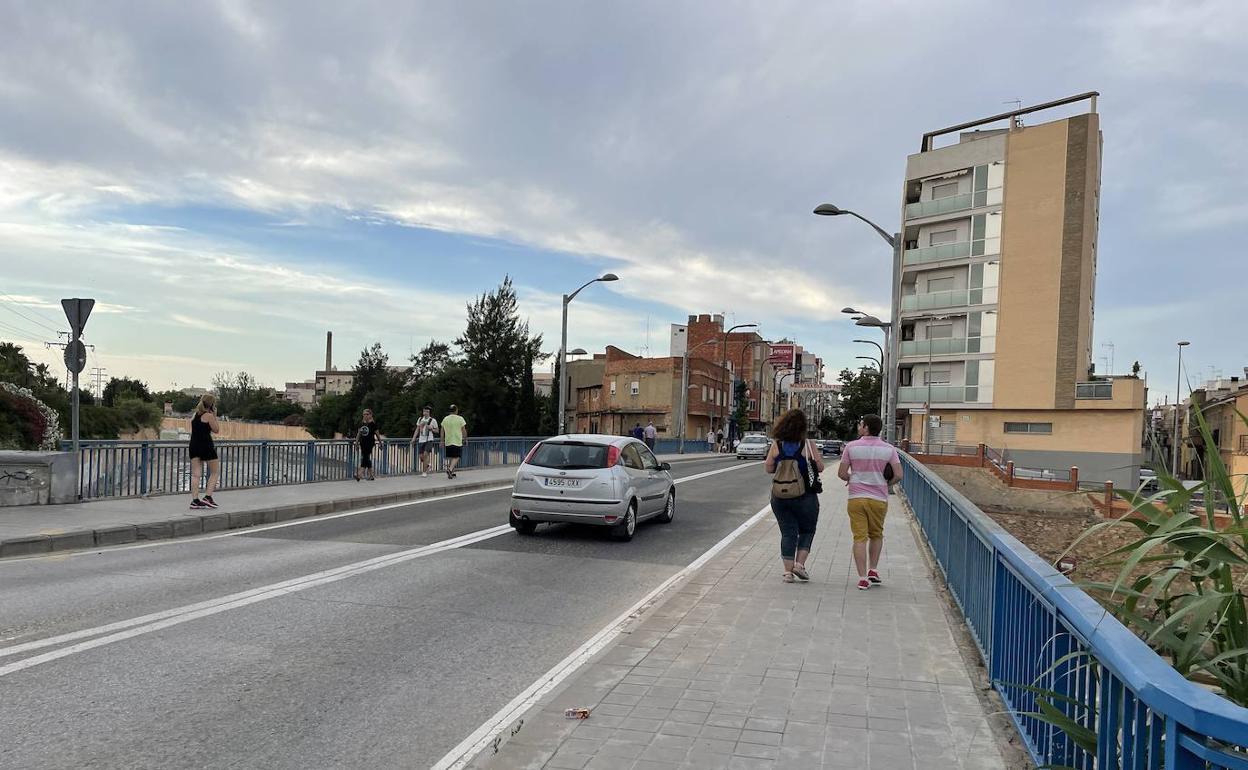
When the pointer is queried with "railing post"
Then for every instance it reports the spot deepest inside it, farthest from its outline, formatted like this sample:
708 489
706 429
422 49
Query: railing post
982 455
1109 496
1009 473
264 463
144 451
309 461
1074 479
385 458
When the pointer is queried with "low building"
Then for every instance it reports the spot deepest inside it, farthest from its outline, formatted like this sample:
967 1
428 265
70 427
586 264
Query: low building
543 383
1221 403
302 393
333 383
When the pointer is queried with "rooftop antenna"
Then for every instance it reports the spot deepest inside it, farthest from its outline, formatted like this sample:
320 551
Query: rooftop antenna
1110 345
1016 120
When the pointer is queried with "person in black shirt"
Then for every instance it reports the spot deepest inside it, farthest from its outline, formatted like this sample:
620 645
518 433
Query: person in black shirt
366 438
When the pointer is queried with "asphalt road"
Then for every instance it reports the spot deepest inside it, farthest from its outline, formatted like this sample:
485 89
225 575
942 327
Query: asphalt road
365 640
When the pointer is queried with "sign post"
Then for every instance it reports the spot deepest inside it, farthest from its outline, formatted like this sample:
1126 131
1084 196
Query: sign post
76 312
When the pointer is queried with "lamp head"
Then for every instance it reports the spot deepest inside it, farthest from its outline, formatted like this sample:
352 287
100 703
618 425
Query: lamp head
609 277
850 311
828 210
578 352
1184 343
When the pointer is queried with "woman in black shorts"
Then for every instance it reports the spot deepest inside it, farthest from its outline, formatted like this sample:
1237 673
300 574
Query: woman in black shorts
205 467
366 438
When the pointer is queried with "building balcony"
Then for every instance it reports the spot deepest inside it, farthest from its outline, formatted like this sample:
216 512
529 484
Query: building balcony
941 252
951 298
1113 393
939 394
947 346
952 203
1091 390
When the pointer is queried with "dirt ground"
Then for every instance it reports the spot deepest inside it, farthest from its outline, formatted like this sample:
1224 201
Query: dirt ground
1050 534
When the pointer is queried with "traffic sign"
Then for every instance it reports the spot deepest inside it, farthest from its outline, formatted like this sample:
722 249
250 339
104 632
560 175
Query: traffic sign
77 311
76 356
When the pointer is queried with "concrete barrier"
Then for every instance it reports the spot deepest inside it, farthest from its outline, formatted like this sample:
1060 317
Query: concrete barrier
37 478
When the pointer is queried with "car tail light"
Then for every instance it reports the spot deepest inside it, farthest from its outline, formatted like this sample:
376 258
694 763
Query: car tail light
609 519
532 452
613 456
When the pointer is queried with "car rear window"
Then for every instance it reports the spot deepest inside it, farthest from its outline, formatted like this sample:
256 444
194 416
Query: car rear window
569 455
753 440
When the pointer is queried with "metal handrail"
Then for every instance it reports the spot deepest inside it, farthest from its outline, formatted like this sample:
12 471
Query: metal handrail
1027 618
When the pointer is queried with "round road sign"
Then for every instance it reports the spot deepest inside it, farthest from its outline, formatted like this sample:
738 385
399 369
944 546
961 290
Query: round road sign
76 356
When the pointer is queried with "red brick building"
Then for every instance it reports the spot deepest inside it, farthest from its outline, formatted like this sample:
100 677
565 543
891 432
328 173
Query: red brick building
741 351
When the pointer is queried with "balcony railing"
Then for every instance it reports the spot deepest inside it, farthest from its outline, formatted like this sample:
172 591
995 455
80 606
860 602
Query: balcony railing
939 394
952 203
950 298
958 250
1091 390
948 346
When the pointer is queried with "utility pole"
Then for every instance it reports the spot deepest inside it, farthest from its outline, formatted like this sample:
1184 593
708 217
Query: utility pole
97 374
77 311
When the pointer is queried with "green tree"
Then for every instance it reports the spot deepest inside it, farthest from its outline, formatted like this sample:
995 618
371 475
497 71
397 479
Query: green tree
550 408
528 415
432 360
496 349
860 394
133 415
332 415
234 392
120 388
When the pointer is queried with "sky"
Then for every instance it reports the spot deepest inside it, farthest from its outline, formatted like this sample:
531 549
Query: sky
230 180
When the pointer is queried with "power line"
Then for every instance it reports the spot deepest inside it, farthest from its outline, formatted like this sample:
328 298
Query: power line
11 306
25 333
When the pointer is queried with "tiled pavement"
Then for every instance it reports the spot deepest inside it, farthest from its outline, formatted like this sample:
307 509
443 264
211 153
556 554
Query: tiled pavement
739 670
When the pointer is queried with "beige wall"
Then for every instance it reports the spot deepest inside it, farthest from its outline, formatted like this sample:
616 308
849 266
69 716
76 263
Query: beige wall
242 431
1116 431
1031 260
1128 392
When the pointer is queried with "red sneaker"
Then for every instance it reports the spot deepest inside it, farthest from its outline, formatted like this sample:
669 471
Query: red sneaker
874 577
864 584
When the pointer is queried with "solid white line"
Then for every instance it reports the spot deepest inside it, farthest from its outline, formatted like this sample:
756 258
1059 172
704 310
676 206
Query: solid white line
125 629
467 749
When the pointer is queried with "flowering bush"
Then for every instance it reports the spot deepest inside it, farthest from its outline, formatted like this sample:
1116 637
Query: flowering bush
37 426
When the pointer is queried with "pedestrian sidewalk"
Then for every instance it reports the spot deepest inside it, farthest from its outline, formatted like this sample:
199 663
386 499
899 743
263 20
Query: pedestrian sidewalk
35 529
738 670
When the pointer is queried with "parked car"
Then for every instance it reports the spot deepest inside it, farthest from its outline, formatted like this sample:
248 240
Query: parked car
753 446
610 481
831 447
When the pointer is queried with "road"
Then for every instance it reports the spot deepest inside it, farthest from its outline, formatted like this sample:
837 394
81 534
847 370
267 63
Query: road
363 640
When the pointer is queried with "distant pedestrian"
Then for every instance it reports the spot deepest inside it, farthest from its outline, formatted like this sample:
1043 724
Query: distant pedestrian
454 433
710 441
719 440
366 439
424 438
637 432
651 434
205 467
795 466
868 466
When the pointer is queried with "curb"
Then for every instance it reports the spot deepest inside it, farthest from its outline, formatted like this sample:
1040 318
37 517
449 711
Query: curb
217 521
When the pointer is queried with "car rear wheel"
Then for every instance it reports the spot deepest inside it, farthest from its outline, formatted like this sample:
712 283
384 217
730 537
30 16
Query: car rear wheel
669 510
625 529
523 526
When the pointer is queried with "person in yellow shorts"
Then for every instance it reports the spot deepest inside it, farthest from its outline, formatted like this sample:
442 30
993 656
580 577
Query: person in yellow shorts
864 465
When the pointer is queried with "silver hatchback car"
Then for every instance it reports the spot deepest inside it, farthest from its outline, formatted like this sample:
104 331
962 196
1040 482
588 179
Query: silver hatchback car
612 481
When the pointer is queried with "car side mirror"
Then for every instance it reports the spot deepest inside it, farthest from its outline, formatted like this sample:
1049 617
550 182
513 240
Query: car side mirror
665 466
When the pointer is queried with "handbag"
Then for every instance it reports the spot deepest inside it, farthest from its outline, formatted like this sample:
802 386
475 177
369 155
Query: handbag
812 472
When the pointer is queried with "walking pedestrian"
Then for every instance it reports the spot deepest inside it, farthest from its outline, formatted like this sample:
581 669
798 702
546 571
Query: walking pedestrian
366 438
719 440
710 441
868 466
795 466
454 433
424 438
651 434
203 452
637 432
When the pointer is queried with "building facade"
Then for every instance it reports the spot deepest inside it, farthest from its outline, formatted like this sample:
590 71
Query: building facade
996 296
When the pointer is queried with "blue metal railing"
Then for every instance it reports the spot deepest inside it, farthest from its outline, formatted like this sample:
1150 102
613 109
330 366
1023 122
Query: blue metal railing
1035 628
137 468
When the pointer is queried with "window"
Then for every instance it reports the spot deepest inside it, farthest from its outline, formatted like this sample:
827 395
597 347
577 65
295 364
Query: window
942 236
936 377
704 393
634 388
632 458
648 459
939 331
569 456
939 284
1029 427
946 190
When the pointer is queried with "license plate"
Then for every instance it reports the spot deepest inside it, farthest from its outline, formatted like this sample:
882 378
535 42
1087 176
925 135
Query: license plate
560 482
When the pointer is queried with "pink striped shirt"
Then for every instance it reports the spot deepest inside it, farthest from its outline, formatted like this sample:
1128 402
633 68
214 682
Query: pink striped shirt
867 458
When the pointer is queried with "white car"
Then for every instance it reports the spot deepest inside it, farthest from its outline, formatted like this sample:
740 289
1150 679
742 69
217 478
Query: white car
753 447
611 481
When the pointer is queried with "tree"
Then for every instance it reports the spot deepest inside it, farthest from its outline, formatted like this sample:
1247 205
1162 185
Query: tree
332 415
119 388
828 425
432 360
860 395
528 417
550 408
134 415
234 392
495 349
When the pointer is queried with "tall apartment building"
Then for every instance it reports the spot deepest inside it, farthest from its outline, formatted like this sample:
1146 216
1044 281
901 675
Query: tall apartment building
997 292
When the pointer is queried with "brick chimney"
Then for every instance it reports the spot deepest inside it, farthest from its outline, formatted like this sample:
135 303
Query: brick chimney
329 351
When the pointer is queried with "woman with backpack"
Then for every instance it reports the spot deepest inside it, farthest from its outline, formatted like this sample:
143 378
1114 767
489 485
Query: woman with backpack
794 464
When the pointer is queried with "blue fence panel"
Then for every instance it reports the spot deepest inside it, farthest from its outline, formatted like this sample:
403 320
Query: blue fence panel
1035 628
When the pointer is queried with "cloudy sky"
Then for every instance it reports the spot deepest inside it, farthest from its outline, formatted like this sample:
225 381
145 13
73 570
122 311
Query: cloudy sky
232 179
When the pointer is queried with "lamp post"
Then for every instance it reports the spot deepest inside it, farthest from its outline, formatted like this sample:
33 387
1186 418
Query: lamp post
563 348
888 393
890 379
750 346
883 386
1178 397
723 409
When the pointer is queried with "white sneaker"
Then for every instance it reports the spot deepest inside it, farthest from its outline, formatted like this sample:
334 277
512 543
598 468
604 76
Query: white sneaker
425 474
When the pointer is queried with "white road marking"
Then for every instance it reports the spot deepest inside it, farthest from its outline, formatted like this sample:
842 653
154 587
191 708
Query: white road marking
464 753
126 629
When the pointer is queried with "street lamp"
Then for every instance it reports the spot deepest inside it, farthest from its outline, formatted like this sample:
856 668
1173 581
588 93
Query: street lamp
889 377
723 409
750 346
563 348
872 359
1178 396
